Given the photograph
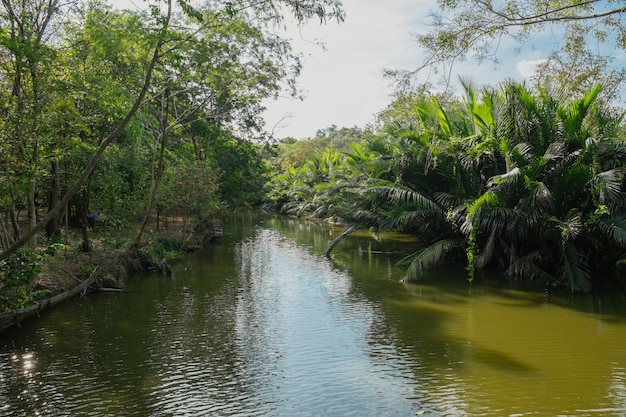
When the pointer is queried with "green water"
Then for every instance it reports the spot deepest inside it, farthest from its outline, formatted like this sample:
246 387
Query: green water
261 324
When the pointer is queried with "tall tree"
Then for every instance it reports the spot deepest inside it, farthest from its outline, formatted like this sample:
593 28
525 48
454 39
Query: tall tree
25 65
476 28
162 44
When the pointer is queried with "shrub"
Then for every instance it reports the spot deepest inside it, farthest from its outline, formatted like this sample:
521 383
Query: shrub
17 276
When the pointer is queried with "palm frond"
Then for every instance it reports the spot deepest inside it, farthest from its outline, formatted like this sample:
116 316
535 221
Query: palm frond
402 195
556 150
433 255
614 228
570 227
493 218
510 177
608 184
522 152
400 218
449 201
488 199
487 251
523 266
538 201
575 269
444 120
571 183
574 115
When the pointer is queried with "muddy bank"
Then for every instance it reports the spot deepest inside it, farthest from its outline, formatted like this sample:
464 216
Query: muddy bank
112 271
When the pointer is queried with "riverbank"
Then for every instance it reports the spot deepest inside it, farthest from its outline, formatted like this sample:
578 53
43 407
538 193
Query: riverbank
66 271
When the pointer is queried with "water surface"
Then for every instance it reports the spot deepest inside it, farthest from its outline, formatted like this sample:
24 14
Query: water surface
261 324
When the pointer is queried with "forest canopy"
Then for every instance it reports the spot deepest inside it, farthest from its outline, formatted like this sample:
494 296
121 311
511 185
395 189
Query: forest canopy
100 106
129 116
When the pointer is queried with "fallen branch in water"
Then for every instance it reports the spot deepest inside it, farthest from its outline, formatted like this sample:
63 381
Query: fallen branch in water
104 289
14 317
338 239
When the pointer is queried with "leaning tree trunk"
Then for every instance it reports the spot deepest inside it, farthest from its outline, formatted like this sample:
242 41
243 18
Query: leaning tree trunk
338 239
156 180
98 154
14 317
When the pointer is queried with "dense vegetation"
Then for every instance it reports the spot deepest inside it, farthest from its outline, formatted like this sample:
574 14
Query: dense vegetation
514 178
121 117
126 118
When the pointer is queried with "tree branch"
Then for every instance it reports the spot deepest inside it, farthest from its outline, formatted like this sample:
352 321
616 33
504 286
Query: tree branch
96 156
548 15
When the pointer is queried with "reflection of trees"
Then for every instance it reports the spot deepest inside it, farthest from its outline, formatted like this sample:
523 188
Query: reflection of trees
463 344
246 323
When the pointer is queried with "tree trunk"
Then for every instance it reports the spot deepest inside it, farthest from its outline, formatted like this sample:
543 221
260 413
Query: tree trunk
338 239
53 227
14 222
32 191
82 210
103 146
5 237
15 317
66 218
86 246
160 165
152 196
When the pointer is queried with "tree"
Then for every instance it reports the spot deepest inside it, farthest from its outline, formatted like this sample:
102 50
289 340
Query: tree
163 43
475 28
575 69
104 144
26 64
513 178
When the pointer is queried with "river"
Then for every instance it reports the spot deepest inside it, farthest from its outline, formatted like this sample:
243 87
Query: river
260 323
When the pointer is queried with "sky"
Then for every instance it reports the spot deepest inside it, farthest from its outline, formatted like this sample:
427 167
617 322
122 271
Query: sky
343 83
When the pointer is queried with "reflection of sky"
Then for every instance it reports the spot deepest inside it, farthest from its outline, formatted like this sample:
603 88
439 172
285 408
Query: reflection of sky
305 340
19 380
285 333
617 389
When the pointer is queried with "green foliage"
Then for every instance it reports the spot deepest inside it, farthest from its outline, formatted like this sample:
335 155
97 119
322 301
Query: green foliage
17 275
189 189
475 29
429 257
169 96
518 179
161 251
53 248
86 270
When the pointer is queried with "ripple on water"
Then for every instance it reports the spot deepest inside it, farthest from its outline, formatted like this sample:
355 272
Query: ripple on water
285 335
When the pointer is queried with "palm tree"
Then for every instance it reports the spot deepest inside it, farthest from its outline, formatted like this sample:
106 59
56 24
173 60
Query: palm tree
523 180
553 183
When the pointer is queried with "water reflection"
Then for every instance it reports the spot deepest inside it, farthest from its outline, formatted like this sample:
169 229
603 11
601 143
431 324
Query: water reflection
304 334
508 352
262 324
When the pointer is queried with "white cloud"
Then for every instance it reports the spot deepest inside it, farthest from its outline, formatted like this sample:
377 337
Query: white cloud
527 67
344 84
